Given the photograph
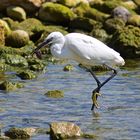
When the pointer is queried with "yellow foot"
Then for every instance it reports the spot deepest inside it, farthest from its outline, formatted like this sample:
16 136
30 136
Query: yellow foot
94 99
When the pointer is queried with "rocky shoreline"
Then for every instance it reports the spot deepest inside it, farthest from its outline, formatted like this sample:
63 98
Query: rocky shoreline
23 25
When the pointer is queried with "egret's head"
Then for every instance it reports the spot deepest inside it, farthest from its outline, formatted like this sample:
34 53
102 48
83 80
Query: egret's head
52 38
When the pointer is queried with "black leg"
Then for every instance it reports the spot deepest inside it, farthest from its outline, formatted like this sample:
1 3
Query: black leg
102 84
94 76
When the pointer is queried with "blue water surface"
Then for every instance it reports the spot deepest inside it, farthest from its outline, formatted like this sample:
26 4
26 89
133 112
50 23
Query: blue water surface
117 118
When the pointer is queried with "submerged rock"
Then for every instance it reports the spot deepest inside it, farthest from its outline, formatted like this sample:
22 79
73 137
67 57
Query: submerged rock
56 13
68 67
20 133
55 94
10 86
27 75
17 39
64 130
16 13
36 64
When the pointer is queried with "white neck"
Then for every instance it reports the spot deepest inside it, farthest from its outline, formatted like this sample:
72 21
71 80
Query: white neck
56 47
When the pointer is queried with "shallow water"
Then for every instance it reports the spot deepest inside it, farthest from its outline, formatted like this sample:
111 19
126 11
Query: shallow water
117 118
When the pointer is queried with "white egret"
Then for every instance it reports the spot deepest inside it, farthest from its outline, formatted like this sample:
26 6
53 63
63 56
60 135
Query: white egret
86 50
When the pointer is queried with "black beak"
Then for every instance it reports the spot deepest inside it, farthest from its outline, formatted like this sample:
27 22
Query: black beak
41 45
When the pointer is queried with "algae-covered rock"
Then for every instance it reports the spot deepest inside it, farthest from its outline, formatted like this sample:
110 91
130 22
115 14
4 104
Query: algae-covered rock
134 20
32 26
127 41
10 86
20 133
109 5
25 75
84 10
36 64
64 130
113 24
17 39
3 66
11 23
2 36
16 13
15 60
137 2
55 94
7 29
55 13
72 3
85 23
68 67
100 34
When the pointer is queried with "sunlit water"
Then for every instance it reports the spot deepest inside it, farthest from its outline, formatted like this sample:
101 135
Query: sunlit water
117 118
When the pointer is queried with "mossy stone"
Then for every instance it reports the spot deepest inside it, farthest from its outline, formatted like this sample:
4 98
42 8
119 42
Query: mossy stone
134 20
85 23
2 36
32 26
55 94
113 24
12 24
7 29
72 3
17 39
109 5
56 13
10 86
84 10
127 41
16 13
